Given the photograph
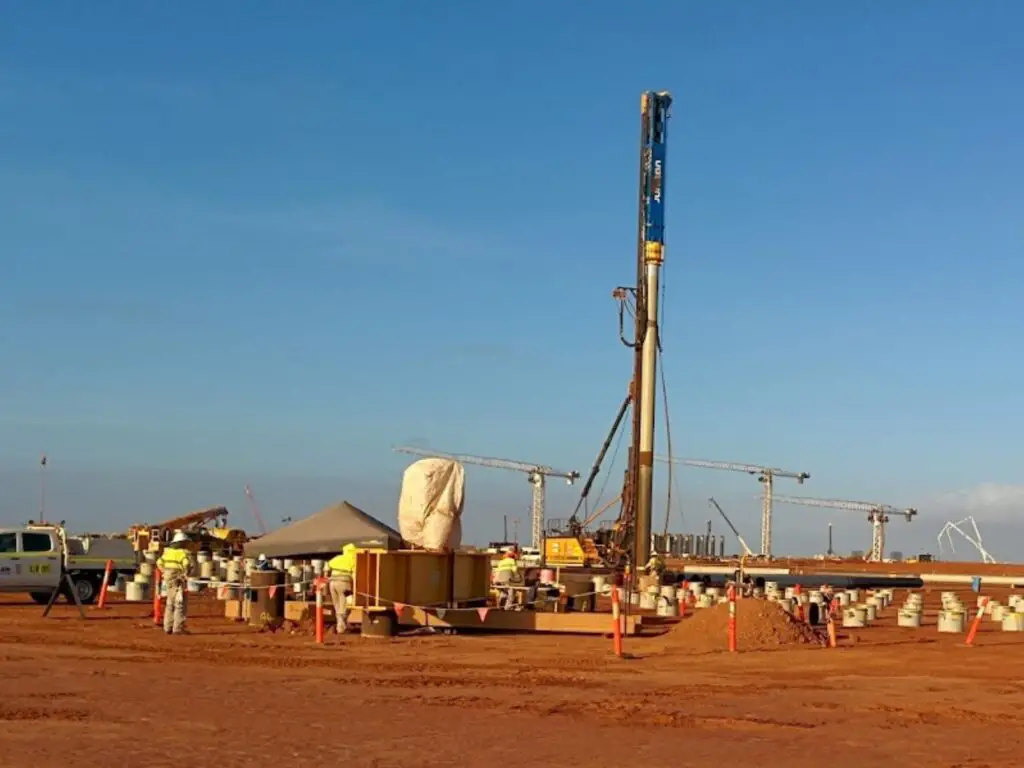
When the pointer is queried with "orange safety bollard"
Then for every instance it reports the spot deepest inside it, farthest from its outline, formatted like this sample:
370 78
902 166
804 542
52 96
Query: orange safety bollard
319 587
977 622
158 614
106 583
799 605
616 625
684 599
732 618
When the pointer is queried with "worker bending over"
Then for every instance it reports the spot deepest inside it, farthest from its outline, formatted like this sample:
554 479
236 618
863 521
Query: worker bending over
505 576
175 564
341 567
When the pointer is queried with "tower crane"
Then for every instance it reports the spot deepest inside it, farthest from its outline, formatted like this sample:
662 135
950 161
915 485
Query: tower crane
536 475
878 516
765 475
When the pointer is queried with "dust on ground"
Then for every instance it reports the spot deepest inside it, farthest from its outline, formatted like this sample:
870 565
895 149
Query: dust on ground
113 689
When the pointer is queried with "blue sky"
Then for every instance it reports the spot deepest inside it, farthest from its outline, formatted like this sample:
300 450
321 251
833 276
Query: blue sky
248 242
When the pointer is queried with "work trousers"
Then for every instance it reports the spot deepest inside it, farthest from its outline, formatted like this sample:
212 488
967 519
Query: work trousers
503 581
341 588
176 611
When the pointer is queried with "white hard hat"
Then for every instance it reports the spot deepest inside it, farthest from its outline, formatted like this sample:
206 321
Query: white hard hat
262 558
179 537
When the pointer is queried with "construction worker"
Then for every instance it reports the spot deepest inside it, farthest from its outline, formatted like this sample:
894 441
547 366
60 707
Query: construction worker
340 570
262 564
175 564
507 574
655 566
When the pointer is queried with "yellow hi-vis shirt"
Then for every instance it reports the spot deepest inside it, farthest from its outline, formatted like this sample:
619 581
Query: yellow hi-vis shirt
173 559
508 564
345 563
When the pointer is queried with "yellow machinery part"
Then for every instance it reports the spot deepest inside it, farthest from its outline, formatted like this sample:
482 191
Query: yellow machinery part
568 551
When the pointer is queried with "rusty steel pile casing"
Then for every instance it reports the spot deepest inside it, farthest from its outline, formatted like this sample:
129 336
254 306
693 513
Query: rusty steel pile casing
267 605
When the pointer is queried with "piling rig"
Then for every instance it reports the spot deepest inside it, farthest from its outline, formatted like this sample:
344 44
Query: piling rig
629 538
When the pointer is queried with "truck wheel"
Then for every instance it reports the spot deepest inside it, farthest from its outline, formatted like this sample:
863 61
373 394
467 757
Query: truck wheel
40 598
86 588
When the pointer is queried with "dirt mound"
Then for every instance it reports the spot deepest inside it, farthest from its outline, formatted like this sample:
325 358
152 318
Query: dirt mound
759 625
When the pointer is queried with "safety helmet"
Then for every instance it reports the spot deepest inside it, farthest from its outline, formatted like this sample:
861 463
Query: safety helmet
262 558
179 537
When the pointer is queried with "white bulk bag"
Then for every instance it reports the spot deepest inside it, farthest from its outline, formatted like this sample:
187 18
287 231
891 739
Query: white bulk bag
430 505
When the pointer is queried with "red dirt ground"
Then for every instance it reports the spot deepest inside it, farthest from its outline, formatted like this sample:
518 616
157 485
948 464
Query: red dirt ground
113 690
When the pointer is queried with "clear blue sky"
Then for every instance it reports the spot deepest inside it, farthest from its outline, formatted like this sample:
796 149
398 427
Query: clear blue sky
261 242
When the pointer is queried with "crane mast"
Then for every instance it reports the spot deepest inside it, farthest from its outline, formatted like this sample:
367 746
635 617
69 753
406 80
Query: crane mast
639 487
536 474
765 475
878 516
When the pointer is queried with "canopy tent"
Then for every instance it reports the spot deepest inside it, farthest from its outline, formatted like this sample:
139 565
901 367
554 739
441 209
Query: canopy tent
325 533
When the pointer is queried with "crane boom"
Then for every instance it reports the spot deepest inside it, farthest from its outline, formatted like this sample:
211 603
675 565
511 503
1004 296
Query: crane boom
255 510
747 551
536 474
765 475
856 506
487 461
878 516
735 466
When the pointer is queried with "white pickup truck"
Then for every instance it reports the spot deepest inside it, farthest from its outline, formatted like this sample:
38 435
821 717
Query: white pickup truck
32 558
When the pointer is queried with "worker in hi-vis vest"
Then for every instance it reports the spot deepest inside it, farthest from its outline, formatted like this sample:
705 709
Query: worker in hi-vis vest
505 575
341 567
655 566
175 564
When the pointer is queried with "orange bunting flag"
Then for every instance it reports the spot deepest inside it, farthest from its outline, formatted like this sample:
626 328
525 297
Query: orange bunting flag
273 591
399 607
482 613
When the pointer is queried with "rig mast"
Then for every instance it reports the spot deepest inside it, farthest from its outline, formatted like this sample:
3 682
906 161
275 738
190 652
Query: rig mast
639 487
